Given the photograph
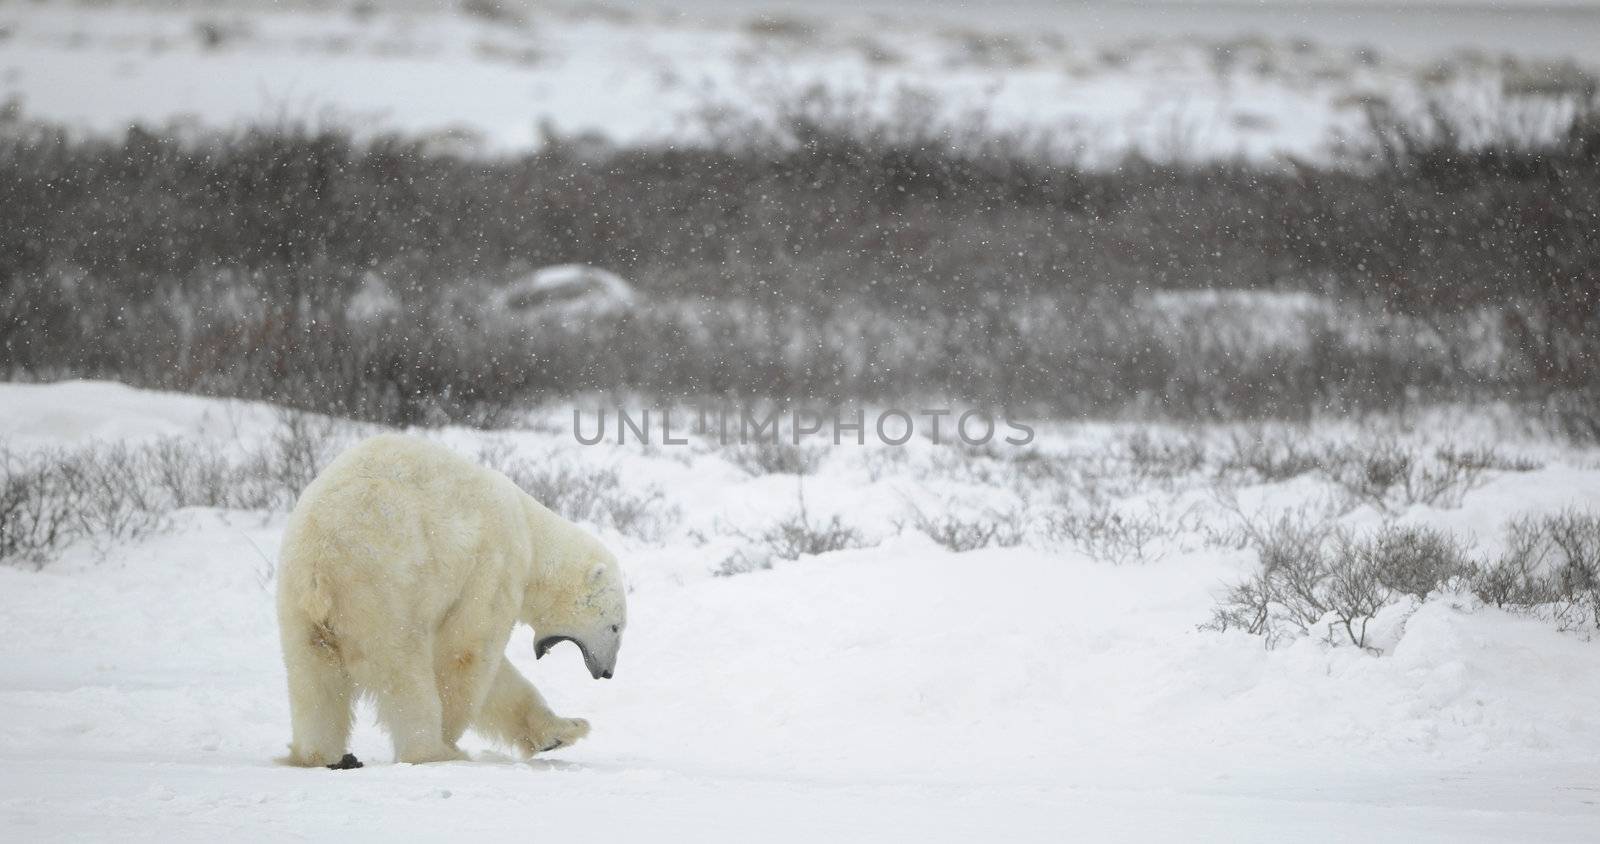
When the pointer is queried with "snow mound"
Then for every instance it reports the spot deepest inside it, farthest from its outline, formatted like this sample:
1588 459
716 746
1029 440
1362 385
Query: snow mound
567 291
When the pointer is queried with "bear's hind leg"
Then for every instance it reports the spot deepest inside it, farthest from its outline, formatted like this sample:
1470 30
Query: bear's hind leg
516 714
319 696
401 683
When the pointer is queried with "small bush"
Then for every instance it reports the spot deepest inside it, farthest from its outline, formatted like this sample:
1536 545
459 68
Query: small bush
1410 560
1268 459
115 492
1104 534
743 561
791 538
879 463
1390 476
494 11
300 445
582 494
776 458
798 536
36 515
1550 567
54 497
1285 594
1368 475
1351 588
1311 573
969 533
1485 458
215 34
1163 459
112 493
193 474
1576 537
1516 578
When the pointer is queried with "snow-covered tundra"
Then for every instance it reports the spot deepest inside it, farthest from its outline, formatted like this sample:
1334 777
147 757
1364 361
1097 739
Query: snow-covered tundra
404 569
893 690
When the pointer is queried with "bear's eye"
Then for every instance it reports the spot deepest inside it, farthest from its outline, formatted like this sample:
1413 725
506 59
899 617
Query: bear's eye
615 628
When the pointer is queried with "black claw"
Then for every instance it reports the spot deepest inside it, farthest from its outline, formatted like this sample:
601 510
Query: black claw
550 748
348 763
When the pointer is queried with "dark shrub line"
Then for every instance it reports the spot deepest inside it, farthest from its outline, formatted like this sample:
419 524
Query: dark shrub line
837 253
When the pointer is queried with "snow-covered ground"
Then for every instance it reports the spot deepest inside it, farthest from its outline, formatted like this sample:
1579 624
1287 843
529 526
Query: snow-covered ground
1091 76
898 691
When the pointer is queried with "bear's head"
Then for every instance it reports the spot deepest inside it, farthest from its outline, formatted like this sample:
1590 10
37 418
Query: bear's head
591 614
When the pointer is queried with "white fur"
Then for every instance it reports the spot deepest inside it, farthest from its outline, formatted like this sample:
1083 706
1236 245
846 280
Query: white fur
403 571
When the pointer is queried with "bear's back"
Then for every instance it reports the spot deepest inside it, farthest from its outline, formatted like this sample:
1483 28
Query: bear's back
394 507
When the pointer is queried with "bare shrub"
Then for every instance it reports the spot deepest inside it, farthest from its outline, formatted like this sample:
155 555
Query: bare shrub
965 463
1485 458
1550 568
1248 606
198 474
882 462
215 34
1283 595
112 495
1312 573
776 458
1410 560
1368 475
1516 579
36 513
743 561
1163 458
1576 537
1390 476
53 497
961 533
595 496
1352 587
1031 464
793 537
798 536
297 449
494 11
1103 533
1441 483
1268 458
110 492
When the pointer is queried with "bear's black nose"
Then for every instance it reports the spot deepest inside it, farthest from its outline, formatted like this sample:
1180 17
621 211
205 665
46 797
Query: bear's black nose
605 675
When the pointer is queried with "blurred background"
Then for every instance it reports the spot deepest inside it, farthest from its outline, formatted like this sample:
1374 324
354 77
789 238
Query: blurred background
429 212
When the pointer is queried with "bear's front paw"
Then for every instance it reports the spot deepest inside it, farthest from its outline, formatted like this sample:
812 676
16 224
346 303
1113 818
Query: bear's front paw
560 732
301 757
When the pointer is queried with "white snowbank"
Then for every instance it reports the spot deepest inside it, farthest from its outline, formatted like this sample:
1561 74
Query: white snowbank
1112 79
886 693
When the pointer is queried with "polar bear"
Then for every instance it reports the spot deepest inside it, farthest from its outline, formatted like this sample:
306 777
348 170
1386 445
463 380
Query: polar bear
403 570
